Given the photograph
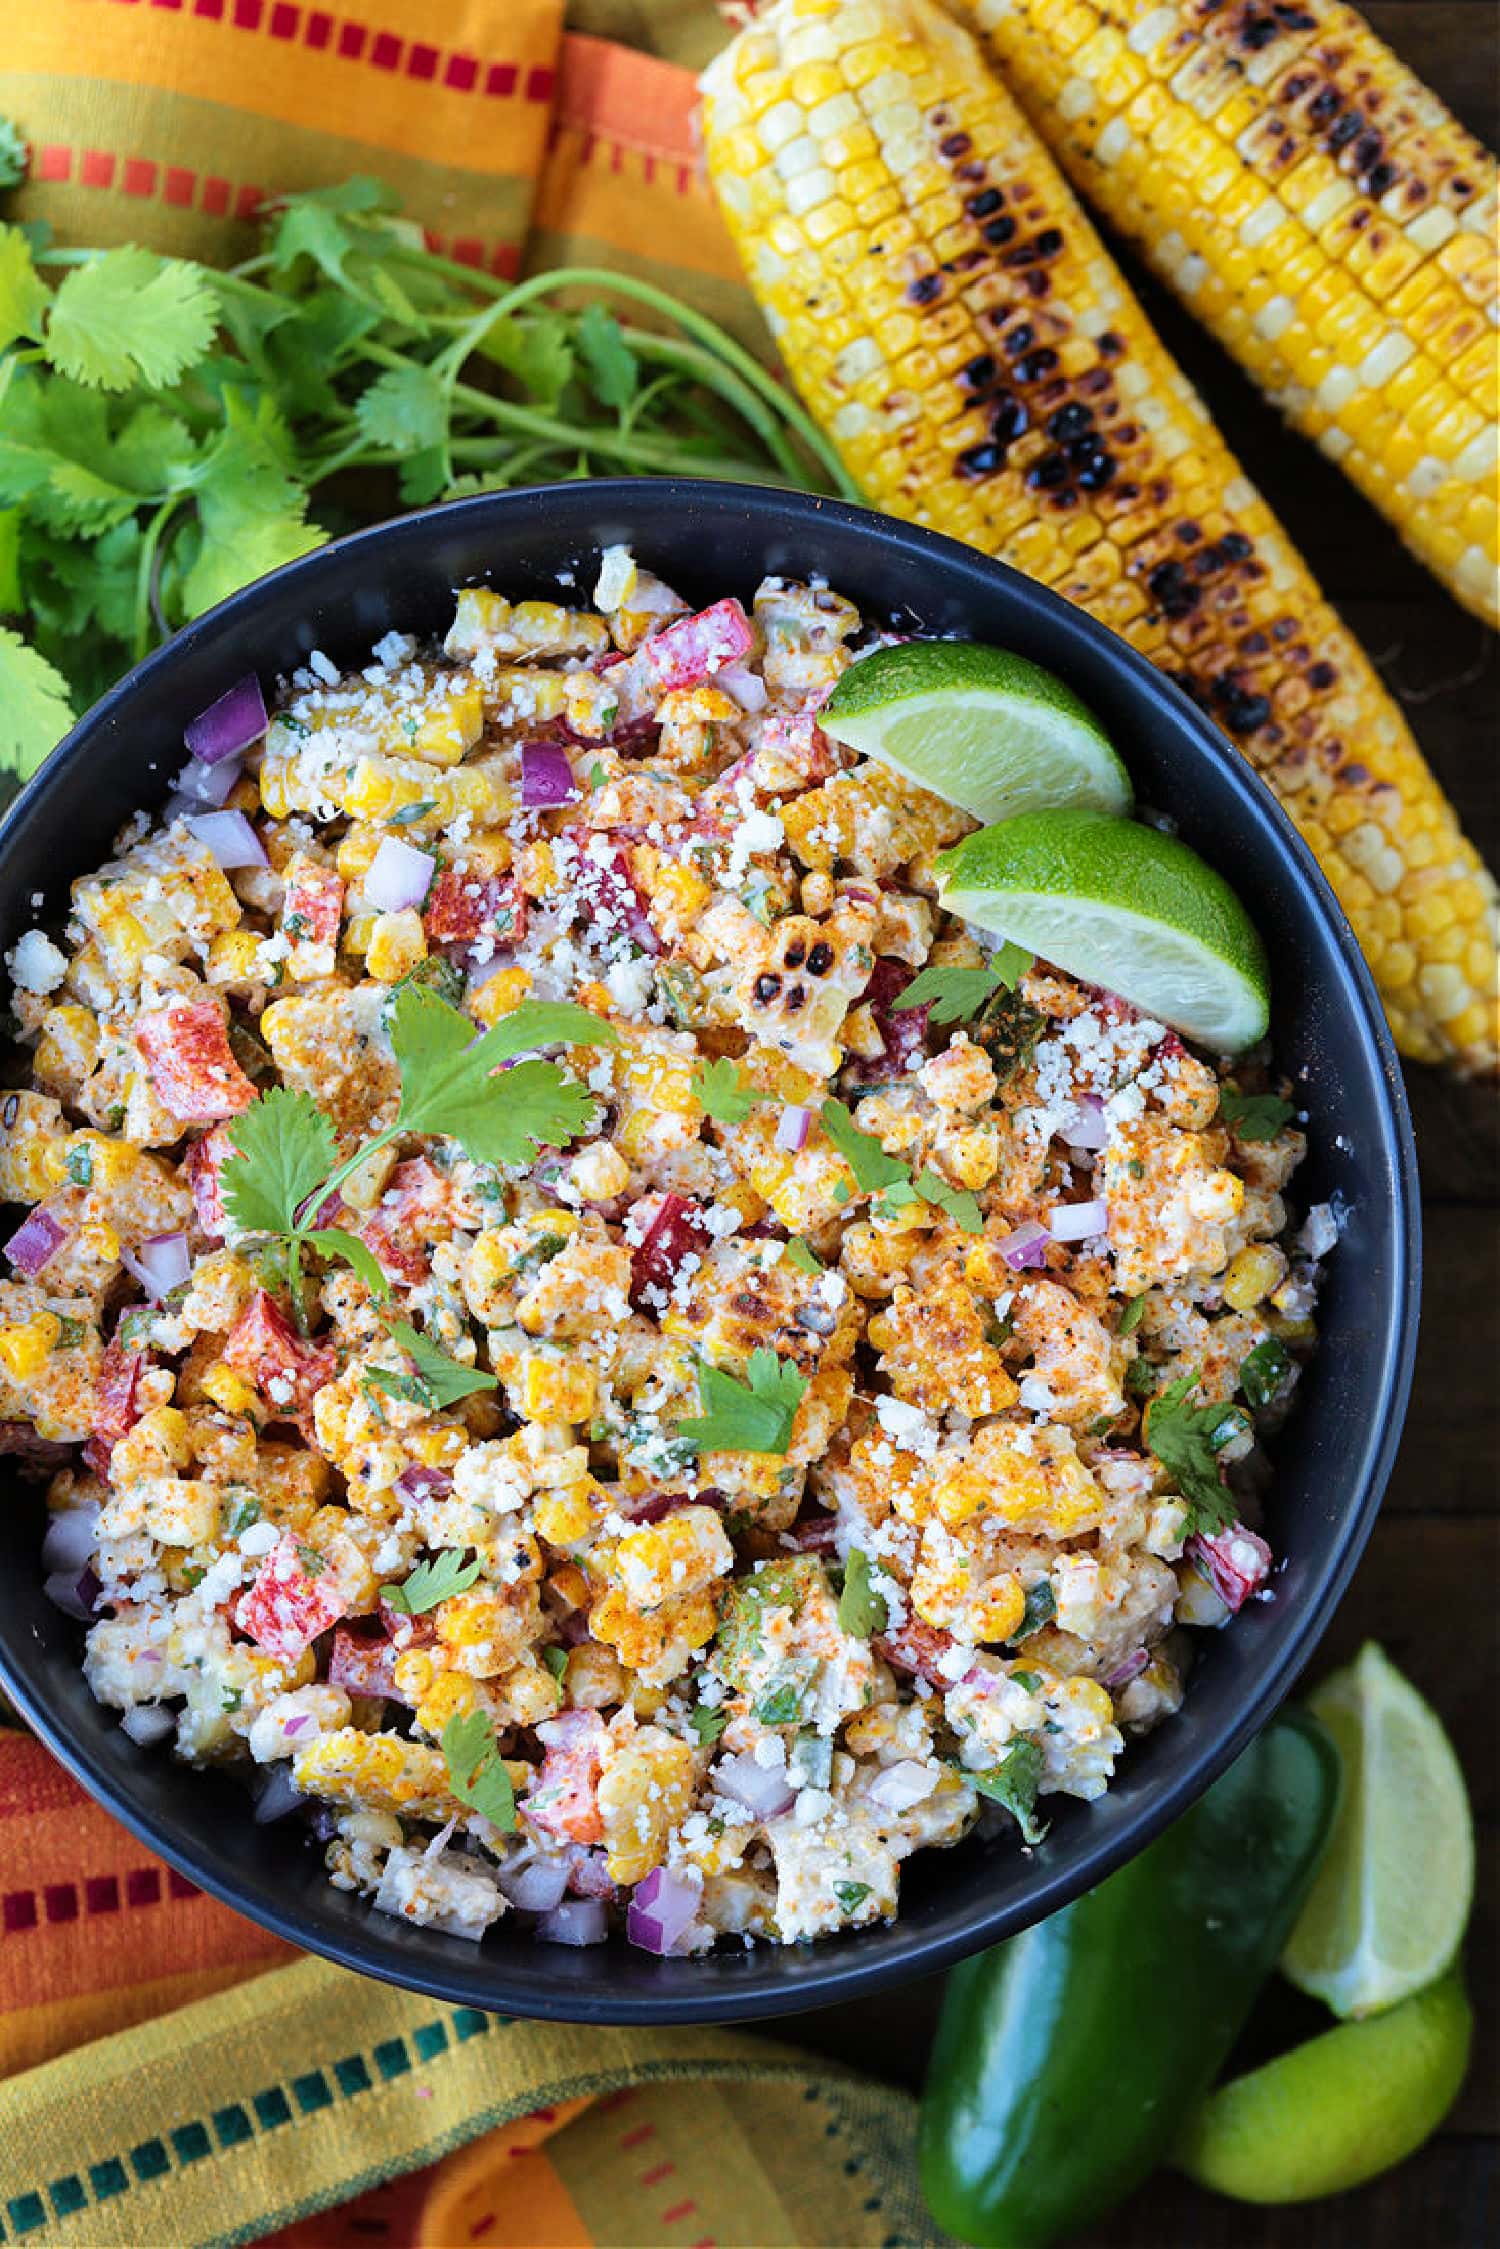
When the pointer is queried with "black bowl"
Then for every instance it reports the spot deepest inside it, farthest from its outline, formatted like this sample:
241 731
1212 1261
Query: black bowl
1333 1457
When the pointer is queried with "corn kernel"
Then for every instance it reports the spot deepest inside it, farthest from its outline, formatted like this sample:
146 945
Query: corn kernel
558 1390
563 1517
234 958
999 1609
398 943
498 995
1252 1275
25 1344
227 1389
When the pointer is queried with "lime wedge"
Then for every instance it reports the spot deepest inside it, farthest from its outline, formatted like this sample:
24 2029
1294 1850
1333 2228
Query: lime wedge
1387 1911
1123 906
989 731
1337 2111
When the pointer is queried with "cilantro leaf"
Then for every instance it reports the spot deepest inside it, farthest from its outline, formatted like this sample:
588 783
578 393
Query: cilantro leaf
404 409
614 370
131 316
1187 1440
804 1256
448 1086
535 349
955 994
556 1660
1254 1116
284 1149
1130 1318
35 712
873 1169
24 295
1014 1783
753 1416
862 1611
851 1895
15 156
337 1241
430 1582
724 1091
707 1721
1040 1608
957 1202
476 1769
252 508
438 1380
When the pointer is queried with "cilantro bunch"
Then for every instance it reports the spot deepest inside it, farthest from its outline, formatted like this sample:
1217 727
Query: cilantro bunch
168 432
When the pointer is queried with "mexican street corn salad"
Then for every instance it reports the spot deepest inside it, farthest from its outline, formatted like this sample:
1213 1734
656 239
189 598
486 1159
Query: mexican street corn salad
584 1332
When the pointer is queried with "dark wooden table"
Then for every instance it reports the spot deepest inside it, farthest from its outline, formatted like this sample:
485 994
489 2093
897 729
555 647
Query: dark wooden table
1429 1586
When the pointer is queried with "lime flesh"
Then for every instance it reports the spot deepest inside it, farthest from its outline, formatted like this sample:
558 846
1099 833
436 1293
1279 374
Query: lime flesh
1120 905
1388 1909
1338 2110
991 732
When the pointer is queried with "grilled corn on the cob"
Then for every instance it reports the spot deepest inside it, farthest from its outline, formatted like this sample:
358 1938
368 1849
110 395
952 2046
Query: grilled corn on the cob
958 328
1317 208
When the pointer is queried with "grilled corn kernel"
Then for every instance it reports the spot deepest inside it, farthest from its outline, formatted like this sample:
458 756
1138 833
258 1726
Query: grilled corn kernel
563 1517
558 1390
227 1389
498 995
999 1609
1252 1275
397 945
26 1344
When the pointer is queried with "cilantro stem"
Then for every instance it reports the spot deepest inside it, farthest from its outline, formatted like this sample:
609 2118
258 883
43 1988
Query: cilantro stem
140 631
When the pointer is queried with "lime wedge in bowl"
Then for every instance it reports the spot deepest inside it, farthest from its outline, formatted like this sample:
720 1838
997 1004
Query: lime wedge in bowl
1120 905
1391 1900
989 731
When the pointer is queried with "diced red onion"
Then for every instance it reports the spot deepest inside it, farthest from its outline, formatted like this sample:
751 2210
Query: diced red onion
74 1593
1076 1222
208 784
546 776
296 1724
35 1241
279 1796
417 1483
747 687
589 1875
162 1263
398 876
1236 1563
663 1910
762 1789
901 1786
536 1887
1088 1127
71 1538
792 1130
230 725
147 1723
577 1921
231 839
1131 1668
1026 1248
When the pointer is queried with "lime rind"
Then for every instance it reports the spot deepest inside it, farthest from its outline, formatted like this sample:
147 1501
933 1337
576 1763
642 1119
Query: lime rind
992 732
1120 905
1387 1912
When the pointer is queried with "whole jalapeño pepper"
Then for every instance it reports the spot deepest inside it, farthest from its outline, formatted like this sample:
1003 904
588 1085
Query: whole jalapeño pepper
1068 2059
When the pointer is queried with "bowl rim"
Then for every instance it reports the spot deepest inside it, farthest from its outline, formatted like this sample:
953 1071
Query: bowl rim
856 1964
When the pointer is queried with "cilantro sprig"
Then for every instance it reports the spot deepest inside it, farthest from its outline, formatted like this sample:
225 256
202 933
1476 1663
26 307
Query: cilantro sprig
431 1582
723 1091
1187 1439
953 995
876 1173
862 1608
476 1769
751 1416
1014 1782
169 429
1254 1116
282 1172
435 1380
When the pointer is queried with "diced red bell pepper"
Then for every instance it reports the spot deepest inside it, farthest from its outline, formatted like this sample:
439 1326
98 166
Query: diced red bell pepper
464 908
405 1223
364 1663
903 1031
285 1368
186 1049
116 1408
1236 1563
690 650
295 1597
915 1647
204 1163
677 1230
564 1797
313 908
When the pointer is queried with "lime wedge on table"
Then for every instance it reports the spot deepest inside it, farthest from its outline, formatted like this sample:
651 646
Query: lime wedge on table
1337 2110
1388 1908
989 731
1123 906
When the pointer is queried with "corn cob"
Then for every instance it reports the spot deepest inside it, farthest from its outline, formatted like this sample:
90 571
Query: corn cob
958 328
1317 208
